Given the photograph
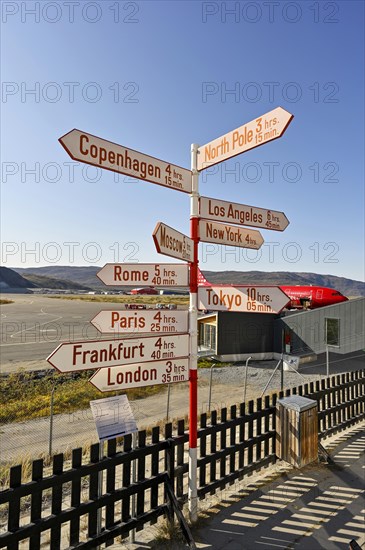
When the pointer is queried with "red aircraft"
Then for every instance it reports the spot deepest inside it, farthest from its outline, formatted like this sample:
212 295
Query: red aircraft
301 297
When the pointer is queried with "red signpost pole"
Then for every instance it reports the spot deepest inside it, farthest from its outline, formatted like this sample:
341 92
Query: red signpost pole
193 331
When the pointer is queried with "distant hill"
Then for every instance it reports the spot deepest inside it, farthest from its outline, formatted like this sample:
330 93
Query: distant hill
11 280
81 275
86 276
41 281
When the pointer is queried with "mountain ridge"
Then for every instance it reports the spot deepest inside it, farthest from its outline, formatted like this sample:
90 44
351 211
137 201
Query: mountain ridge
86 276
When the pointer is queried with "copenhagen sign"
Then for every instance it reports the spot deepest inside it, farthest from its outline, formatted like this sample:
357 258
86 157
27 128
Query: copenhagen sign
77 356
173 243
211 232
241 214
263 129
251 299
145 274
140 375
120 322
117 158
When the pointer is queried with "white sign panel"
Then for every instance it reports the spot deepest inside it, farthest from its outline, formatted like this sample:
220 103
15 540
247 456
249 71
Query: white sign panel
173 243
157 321
166 275
263 129
113 417
241 214
76 356
117 158
251 299
212 232
142 374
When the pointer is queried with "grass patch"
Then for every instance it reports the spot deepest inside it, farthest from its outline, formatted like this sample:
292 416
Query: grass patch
3 302
24 397
115 298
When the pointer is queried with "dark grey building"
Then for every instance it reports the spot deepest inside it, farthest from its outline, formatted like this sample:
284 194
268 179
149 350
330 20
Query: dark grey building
232 336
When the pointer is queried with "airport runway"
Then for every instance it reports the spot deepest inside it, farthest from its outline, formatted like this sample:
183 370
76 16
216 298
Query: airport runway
34 325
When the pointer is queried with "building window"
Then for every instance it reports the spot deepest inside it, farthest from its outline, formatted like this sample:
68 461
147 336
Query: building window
332 332
207 337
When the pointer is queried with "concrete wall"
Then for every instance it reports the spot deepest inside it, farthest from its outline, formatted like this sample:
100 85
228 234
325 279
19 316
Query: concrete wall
307 329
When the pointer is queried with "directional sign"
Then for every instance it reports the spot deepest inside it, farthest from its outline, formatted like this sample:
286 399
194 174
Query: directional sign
173 243
142 374
145 274
211 232
263 129
117 158
76 356
241 214
251 299
121 322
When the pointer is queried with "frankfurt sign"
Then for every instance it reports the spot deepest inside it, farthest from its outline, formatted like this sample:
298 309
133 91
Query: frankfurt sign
76 356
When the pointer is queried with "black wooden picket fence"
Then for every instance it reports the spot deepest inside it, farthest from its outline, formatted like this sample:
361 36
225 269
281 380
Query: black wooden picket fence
73 508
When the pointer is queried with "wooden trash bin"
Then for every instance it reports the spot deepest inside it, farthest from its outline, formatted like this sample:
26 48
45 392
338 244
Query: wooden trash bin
297 430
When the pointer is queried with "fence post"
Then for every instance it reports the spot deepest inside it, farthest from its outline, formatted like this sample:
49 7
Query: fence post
51 421
168 402
244 392
134 480
210 385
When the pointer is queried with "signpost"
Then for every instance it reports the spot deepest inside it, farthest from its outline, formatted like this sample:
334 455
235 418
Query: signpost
117 158
77 356
211 232
141 374
251 299
167 275
241 214
126 363
173 243
263 129
157 321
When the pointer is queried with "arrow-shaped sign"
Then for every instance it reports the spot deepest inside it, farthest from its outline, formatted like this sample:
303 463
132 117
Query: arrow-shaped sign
211 232
173 243
263 129
117 158
242 214
142 374
157 321
76 356
168 275
250 299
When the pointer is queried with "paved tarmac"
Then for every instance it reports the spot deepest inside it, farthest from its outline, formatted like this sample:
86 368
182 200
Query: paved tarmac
321 506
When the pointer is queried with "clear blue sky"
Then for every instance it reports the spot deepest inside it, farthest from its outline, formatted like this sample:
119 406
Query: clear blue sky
155 77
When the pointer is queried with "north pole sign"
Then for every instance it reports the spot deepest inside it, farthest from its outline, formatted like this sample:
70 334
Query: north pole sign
263 129
242 214
155 321
77 356
211 232
141 374
168 275
250 299
117 158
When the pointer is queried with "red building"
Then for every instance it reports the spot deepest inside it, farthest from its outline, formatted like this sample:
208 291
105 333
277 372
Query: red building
148 290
